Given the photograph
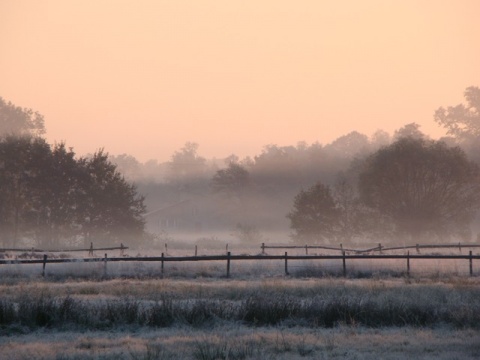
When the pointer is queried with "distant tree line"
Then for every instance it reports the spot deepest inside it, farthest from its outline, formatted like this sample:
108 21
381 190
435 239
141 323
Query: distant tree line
411 189
405 187
357 188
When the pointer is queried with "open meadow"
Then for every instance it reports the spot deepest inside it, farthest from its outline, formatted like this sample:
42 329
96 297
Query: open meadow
195 312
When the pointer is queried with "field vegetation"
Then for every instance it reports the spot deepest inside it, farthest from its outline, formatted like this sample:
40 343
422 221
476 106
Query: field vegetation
253 317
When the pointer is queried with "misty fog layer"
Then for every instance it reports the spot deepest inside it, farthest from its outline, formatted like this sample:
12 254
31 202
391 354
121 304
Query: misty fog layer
357 189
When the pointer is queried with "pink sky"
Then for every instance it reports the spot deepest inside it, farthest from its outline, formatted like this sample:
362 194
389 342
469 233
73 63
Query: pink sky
144 77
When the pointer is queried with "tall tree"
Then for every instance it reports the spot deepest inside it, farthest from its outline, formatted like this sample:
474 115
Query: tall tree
186 164
351 213
15 120
187 171
59 197
463 122
112 209
48 196
425 187
20 170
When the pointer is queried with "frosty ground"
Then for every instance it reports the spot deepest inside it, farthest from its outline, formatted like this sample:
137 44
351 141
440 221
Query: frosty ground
271 317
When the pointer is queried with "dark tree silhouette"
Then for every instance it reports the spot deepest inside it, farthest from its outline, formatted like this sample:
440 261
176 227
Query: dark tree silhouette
315 216
113 209
232 181
425 187
21 160
49 196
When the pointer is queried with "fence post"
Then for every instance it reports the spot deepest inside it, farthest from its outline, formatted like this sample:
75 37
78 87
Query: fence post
306 249
121 250
90 252
228 264
408 263
263 248
471 263
105 266
162 266
44 264
344 264
286 263
459 247
380 247
166 248
418 249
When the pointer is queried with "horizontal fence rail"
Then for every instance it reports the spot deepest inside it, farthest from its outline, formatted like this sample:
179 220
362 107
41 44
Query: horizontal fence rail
379 248
90 250
229 257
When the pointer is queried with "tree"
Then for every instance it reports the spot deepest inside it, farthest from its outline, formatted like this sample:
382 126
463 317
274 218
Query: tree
351 213
58 197
424 186
20 170
232 181
409 131
379 138
315 216
186 164
463 122
112 209
49 197
350 145
15 120
128 165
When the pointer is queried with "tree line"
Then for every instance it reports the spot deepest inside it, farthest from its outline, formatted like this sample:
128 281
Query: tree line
411 190
401 186
405 187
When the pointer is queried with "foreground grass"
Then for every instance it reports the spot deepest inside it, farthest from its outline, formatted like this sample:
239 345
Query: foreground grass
239 342
240 319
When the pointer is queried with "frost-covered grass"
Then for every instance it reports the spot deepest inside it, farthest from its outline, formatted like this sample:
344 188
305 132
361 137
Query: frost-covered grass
194 312
164 303
246 343
274 318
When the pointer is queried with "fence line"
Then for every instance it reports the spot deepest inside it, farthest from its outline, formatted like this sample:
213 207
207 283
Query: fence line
90 250
229 257
379 247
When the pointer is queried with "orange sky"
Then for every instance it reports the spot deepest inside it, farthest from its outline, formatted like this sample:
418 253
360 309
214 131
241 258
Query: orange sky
144 77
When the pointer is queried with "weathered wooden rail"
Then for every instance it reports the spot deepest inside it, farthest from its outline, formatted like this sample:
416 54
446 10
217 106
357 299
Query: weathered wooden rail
378 248
90 250
228 258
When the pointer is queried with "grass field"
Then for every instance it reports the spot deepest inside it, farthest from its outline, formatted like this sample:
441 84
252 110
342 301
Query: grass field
252 318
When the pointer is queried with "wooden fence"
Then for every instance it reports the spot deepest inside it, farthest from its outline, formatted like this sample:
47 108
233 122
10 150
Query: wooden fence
90 250
228 258
378 248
